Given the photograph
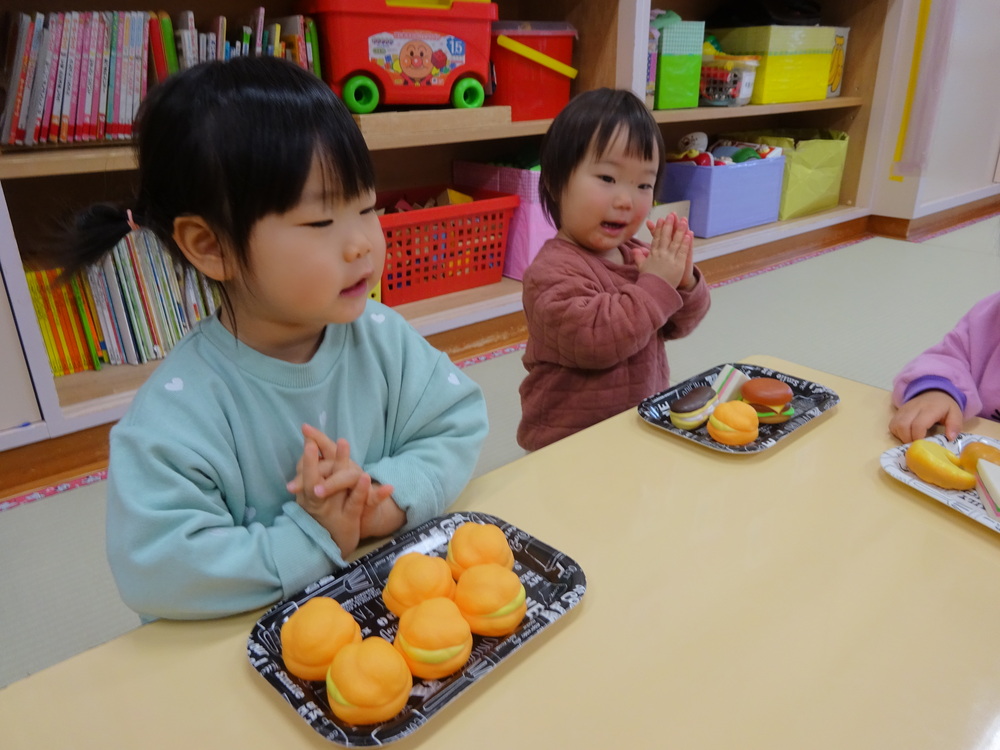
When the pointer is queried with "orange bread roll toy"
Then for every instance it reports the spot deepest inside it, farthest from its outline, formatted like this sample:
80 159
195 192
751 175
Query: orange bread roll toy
477 543
434 638
368 682
968 459
313 635
492 598
733 423
415 577
937 465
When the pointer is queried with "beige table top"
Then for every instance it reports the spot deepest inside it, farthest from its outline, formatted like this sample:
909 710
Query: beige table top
794 598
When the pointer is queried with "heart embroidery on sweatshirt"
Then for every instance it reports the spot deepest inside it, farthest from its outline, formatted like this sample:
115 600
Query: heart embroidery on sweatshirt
453 379
176 384
378 317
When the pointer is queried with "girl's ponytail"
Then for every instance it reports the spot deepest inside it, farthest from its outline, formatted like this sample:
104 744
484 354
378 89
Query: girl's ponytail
94 231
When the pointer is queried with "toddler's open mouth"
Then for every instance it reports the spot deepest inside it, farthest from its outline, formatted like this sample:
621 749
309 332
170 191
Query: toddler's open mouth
355 290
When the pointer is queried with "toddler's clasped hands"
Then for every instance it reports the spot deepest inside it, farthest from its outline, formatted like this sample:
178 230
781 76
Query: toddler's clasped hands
671 253
340 495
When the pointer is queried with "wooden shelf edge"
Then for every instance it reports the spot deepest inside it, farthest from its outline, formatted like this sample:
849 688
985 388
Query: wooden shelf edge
697 114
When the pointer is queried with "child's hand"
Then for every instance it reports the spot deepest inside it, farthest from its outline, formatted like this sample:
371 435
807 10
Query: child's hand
338 500
916 417
671 255
381 515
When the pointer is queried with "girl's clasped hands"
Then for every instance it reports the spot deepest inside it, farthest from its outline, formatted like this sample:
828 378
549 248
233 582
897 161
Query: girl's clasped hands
340 495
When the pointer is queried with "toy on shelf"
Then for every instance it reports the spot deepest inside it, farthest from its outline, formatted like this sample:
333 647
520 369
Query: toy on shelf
406 52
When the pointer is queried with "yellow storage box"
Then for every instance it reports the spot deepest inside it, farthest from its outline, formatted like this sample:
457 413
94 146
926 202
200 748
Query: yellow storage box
794 60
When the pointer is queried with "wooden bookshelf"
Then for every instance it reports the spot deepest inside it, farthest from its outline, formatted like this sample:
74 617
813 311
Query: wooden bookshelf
417 148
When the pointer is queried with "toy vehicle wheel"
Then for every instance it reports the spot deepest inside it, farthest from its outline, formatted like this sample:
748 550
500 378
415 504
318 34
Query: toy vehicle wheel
468 94
360 94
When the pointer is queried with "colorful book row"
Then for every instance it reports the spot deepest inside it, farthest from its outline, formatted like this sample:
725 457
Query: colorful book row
131 308
79 76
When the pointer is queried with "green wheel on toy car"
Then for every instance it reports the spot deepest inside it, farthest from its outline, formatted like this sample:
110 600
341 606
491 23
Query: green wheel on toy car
468 94
360 94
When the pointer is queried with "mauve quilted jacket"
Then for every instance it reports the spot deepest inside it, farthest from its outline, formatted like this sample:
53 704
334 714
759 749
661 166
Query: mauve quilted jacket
595 338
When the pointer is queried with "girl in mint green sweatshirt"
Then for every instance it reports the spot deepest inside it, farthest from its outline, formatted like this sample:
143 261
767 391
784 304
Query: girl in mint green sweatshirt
302 417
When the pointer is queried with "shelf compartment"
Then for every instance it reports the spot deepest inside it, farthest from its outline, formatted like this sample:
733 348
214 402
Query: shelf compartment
392 130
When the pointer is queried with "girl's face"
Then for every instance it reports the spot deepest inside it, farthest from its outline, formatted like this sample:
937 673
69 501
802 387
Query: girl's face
607 198
311 266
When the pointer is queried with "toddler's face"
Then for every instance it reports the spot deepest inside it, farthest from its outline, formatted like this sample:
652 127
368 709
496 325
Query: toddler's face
607 197
311 266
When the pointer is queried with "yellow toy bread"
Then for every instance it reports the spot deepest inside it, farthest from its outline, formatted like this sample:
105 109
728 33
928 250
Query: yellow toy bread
368 682
733 423
477 543
415 577
313 635
935 464
492 598
434 638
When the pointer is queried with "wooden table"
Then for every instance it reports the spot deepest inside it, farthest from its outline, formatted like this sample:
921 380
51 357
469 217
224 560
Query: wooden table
796 598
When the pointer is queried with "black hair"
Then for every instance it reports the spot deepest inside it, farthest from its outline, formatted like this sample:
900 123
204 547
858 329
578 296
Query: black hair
590 121
231 142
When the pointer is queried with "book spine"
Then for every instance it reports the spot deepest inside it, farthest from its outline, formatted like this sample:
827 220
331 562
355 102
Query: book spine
71 77
36 104
44 325
94 318
65 50
124 327
23 53
105 315
50 91
67 129
157 53
144 299
86 323
88 60
133 308
24 107
143 62
169 42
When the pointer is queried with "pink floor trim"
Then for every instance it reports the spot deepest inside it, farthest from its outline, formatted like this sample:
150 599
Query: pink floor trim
69 484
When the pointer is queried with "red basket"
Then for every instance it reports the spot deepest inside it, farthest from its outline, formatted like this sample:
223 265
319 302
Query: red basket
432 251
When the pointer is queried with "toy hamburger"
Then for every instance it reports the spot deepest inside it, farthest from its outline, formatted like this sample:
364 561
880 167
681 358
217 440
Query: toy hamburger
771 399
733 423
477 543
313 635
491 598
693 409
368 682
434 638
415 577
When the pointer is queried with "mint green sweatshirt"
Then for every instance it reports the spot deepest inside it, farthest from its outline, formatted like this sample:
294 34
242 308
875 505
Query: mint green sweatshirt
199 522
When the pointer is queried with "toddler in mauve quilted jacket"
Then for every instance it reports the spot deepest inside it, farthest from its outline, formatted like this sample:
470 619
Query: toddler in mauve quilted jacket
599 302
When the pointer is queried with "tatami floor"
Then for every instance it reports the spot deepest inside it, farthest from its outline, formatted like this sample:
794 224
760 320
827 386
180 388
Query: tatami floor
860 311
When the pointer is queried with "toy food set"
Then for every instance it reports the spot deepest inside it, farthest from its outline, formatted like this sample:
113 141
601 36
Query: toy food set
814 166
444 248
532 67
357 703
405 52
794 60
414 578
963 474
678 63
529 226
729 188
731 423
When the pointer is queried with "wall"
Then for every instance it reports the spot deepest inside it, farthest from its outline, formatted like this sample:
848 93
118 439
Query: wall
954 143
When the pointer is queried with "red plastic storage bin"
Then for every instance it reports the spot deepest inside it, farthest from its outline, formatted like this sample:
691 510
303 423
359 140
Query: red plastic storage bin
432 251
375 53
532 89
